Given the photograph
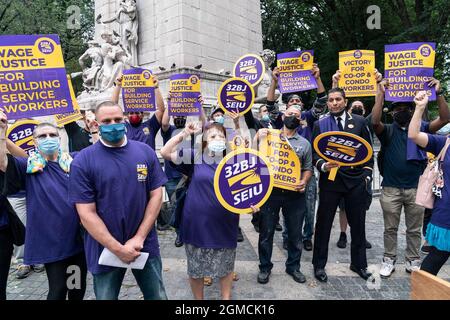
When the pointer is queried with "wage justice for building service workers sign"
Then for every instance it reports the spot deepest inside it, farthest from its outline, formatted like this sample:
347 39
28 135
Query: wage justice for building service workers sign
408 67
33 80
295 71
184 94
138 90
358 73
243 179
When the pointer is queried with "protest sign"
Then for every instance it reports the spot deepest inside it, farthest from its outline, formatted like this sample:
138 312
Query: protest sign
138 90
408 67
284 162
295 71
33 80
184 94
237 95
358 73
251 68
346 149
242 180
21 133
63 119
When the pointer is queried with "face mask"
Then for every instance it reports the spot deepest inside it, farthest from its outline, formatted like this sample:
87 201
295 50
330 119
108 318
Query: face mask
48 146
179 122
135 119
220 120
112 132
402 118
265 118
217 146
291 122
358 111
337 114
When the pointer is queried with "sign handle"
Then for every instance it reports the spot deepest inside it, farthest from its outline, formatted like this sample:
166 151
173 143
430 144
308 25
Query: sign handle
333 173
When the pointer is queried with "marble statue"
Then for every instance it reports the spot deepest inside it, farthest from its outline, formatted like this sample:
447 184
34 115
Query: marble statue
268 57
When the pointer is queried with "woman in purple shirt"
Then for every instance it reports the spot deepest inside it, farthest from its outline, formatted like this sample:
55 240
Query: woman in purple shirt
208 229
438 230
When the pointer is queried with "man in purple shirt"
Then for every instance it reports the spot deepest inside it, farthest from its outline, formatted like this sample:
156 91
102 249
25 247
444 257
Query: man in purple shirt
116 186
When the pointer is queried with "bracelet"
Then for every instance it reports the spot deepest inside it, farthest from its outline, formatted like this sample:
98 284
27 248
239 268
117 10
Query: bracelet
95 132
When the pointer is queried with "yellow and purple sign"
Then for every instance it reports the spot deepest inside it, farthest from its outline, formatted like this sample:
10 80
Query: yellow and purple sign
243 179
251 68
63 119
284 162
184 94
138 90
21 133
358 73
408 67
33 80
295 71
237 95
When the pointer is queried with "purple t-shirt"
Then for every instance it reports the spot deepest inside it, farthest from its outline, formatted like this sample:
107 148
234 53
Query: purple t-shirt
169 169
145 132
53 225
441 210
206 223
119 182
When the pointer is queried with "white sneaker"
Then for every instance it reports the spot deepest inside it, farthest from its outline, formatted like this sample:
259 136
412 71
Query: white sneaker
413 265
387 267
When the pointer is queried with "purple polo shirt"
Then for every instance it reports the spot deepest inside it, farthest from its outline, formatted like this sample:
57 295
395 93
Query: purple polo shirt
53 225
206 223
119 182
145 132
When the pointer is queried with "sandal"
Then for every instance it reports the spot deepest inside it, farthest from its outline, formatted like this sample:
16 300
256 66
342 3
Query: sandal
235 276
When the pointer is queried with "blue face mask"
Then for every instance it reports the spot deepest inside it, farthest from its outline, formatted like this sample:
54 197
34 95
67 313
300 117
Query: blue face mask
48 146
220 120
112 132
265 118
217 146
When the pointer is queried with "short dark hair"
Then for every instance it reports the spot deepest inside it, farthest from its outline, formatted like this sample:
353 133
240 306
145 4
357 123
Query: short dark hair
261 106
337 89
106 104
43 125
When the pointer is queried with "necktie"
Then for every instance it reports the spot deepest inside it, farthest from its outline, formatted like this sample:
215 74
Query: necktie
339 123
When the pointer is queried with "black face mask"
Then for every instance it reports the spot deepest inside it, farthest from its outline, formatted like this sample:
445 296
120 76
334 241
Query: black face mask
291 122
337 114
179 122
358 111
402 118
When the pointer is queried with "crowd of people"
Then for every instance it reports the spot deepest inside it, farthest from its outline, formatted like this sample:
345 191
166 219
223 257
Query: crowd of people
106 193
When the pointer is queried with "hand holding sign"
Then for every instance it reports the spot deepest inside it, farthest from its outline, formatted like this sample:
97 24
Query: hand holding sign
421 100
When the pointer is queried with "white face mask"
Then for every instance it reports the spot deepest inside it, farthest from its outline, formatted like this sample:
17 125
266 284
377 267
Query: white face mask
217 146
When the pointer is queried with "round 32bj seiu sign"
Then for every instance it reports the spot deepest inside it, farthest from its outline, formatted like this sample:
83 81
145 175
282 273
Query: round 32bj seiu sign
243 179
251 68
344 148
236 95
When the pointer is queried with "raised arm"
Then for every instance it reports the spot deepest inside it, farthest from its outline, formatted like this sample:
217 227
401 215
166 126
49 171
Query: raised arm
414 133
165 122
377 109
159 100
444 113
316 74
335 79
3 128
202 116
15 150
273 85
117 88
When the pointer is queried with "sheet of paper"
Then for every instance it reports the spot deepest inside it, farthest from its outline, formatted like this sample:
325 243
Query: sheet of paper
107 258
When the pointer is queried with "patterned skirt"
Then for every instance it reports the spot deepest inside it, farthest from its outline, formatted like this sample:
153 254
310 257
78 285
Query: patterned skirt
214 263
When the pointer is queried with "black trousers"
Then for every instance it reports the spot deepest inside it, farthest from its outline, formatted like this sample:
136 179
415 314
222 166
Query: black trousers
67 278
6 250
435 260
426 220
355 208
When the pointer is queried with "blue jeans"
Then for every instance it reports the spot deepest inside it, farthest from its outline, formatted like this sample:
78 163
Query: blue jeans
293 206
310 214
107 285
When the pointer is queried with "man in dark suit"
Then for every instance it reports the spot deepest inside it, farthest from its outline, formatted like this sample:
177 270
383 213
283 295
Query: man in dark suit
350 184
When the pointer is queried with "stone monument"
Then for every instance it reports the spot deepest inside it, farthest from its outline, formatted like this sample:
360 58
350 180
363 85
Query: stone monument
205 37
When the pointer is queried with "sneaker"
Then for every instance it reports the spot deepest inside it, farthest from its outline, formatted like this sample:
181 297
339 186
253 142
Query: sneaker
342 242
387 267
413 265
23 271
278 227
38 268
240 236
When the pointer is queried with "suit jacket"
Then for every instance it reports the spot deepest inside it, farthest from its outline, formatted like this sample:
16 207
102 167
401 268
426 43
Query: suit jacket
347 177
